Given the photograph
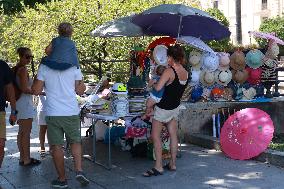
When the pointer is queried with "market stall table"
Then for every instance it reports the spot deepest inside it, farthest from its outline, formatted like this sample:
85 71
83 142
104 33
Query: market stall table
104 117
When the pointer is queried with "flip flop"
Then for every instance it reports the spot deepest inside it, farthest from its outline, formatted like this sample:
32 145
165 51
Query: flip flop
152 172
168 167
33 162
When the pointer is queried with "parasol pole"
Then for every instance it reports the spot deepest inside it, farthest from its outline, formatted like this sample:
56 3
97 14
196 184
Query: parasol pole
180 20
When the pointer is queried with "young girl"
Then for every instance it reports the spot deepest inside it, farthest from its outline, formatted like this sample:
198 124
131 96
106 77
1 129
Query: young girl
155 96
62 52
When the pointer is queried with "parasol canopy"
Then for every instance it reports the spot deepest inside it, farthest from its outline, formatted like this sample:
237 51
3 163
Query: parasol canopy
120 27
177 20
246 133
268 36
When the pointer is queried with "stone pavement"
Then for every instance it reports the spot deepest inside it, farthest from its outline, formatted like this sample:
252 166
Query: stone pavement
197 168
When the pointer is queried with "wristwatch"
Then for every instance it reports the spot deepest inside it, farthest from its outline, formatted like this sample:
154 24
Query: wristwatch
14 112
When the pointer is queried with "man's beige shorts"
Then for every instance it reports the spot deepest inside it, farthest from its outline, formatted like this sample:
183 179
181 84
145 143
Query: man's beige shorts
3 125
165 116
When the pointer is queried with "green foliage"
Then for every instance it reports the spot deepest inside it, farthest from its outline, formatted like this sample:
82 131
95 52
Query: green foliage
35 27
270 25
13 6
224 44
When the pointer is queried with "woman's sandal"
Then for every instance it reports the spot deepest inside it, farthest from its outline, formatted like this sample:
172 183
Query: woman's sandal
33 162
168 167
152 172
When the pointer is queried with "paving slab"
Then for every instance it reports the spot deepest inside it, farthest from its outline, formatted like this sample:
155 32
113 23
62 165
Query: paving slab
198 168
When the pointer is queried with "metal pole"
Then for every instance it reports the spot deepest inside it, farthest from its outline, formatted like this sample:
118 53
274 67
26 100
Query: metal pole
100 65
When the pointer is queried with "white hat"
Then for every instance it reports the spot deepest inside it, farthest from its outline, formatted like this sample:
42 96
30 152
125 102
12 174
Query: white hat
249 93
224 61
210 62
119 88
207 78
194 59
223 77
160 55
195 77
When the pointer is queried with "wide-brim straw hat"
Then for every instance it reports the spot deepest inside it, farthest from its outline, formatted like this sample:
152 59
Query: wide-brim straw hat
237 60
240 76
223 77
194 60
160 55
224 61
249 94
272 51
254 58
207 78
210 62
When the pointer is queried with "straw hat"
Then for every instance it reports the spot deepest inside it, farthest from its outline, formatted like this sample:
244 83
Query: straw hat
228 93
210 62
254 58
223 77
195 77
160 55
194 59
249 94
272 51
240 76
254 75
224 61
237 60
207 78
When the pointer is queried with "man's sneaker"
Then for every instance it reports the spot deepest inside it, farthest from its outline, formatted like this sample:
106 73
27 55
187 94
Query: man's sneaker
59 184
80 177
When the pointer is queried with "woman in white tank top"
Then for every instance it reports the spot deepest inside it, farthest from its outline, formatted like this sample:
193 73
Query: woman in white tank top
25 107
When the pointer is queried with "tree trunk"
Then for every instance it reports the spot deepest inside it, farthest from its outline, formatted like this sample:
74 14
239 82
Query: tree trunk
239 21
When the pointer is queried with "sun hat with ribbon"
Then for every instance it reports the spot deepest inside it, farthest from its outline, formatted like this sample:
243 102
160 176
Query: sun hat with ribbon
195 77
160 55
224 61
194 59
207 78
240 76
210 62
237 60
249 93
254 58
254 76
223 77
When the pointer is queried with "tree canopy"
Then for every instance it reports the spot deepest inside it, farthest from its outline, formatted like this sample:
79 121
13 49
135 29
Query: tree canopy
34 27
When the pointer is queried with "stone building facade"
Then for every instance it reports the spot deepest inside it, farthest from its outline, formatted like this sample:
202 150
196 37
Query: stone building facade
253 12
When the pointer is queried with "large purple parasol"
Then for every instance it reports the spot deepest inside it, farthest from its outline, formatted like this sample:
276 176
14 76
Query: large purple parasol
177 20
